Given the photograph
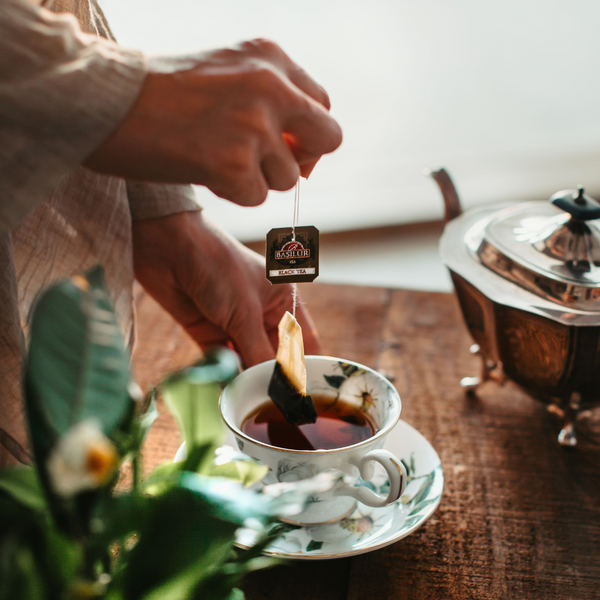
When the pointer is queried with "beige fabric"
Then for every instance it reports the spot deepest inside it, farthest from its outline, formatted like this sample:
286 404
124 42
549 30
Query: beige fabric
61 93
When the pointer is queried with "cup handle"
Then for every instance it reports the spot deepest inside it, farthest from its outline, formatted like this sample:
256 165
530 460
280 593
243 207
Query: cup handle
396 473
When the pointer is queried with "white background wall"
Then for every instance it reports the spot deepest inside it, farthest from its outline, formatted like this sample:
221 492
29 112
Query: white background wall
506 95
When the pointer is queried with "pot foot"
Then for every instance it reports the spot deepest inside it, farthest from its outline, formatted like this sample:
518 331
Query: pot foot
567 436
489 371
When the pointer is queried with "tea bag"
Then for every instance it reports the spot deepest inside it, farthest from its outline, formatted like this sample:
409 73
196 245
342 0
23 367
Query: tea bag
287 388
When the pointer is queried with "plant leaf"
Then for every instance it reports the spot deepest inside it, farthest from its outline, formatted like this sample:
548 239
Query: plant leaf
411 521
23 484
423 490
348 370
312 545
335 381
77 367
367 484
246 472
199 456
184 539
192 396
419 507
148 418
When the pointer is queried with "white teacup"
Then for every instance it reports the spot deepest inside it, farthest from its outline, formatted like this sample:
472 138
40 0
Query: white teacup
354 384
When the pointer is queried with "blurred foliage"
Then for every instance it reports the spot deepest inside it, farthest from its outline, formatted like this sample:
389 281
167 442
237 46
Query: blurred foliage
170 537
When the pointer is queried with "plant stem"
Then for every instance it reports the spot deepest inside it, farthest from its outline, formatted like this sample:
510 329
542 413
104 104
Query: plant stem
136 470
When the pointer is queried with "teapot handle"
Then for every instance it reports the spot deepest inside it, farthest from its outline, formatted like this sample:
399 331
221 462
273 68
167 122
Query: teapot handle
449 193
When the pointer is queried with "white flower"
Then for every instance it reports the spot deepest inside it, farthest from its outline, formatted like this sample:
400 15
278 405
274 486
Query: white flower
83 459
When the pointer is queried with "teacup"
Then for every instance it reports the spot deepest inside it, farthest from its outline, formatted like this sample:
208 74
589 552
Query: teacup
340 379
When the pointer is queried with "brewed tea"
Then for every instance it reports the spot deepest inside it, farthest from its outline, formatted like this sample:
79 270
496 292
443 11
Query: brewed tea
338 424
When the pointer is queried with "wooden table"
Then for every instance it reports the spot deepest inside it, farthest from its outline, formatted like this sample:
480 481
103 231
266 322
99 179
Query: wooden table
520 515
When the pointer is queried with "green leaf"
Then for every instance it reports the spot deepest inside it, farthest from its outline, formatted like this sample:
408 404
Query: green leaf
77 367
367 484
183 540
23 484
192 396
411 521
348 370
419 507
312 545
423 490
118 517
149 416
26 582
199 456
247 472
227 463
335 381
30 548
227 500
162 478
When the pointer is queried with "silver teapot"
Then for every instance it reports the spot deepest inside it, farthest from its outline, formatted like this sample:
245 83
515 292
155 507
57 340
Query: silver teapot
527 278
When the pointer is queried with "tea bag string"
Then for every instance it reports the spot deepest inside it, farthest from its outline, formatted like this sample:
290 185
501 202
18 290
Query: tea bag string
296 208
294 223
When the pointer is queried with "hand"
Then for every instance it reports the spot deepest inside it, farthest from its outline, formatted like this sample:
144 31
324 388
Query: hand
240 121
214 286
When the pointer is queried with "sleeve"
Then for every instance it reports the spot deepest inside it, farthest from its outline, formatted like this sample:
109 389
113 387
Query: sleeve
62 92
152 200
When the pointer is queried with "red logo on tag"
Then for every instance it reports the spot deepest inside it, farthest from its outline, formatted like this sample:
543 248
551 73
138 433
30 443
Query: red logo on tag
293 245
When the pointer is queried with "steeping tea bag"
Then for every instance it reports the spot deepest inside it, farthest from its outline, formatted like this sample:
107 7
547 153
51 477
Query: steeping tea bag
287 388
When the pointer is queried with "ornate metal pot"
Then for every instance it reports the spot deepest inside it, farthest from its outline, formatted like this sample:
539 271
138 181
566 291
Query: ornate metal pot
527 277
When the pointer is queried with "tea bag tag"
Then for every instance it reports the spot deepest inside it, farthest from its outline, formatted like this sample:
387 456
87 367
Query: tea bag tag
292 254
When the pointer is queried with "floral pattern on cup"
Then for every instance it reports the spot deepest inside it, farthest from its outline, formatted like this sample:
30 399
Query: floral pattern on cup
289 470
358 387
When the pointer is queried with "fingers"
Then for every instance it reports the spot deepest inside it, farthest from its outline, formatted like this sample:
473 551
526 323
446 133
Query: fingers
248 190
280 168
270 51
308 129
311 132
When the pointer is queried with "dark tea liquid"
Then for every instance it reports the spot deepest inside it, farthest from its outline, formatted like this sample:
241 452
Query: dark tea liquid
338 424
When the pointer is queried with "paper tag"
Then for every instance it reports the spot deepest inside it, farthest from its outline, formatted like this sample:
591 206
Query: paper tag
292 259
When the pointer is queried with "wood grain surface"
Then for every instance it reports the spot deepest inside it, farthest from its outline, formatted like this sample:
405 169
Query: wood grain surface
520 515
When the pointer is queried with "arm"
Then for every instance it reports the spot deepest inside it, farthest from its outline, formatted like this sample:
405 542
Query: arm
239 121
62 92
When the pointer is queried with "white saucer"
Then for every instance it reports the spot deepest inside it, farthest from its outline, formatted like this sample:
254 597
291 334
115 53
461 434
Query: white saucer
371 528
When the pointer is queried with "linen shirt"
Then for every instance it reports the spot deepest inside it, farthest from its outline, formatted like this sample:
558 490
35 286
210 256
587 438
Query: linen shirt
65 85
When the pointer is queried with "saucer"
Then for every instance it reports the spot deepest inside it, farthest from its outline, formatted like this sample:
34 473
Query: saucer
367 528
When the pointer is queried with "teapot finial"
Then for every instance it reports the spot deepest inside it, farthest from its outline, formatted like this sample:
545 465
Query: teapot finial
577 204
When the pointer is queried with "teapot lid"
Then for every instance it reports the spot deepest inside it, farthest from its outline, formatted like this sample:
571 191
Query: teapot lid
551 249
